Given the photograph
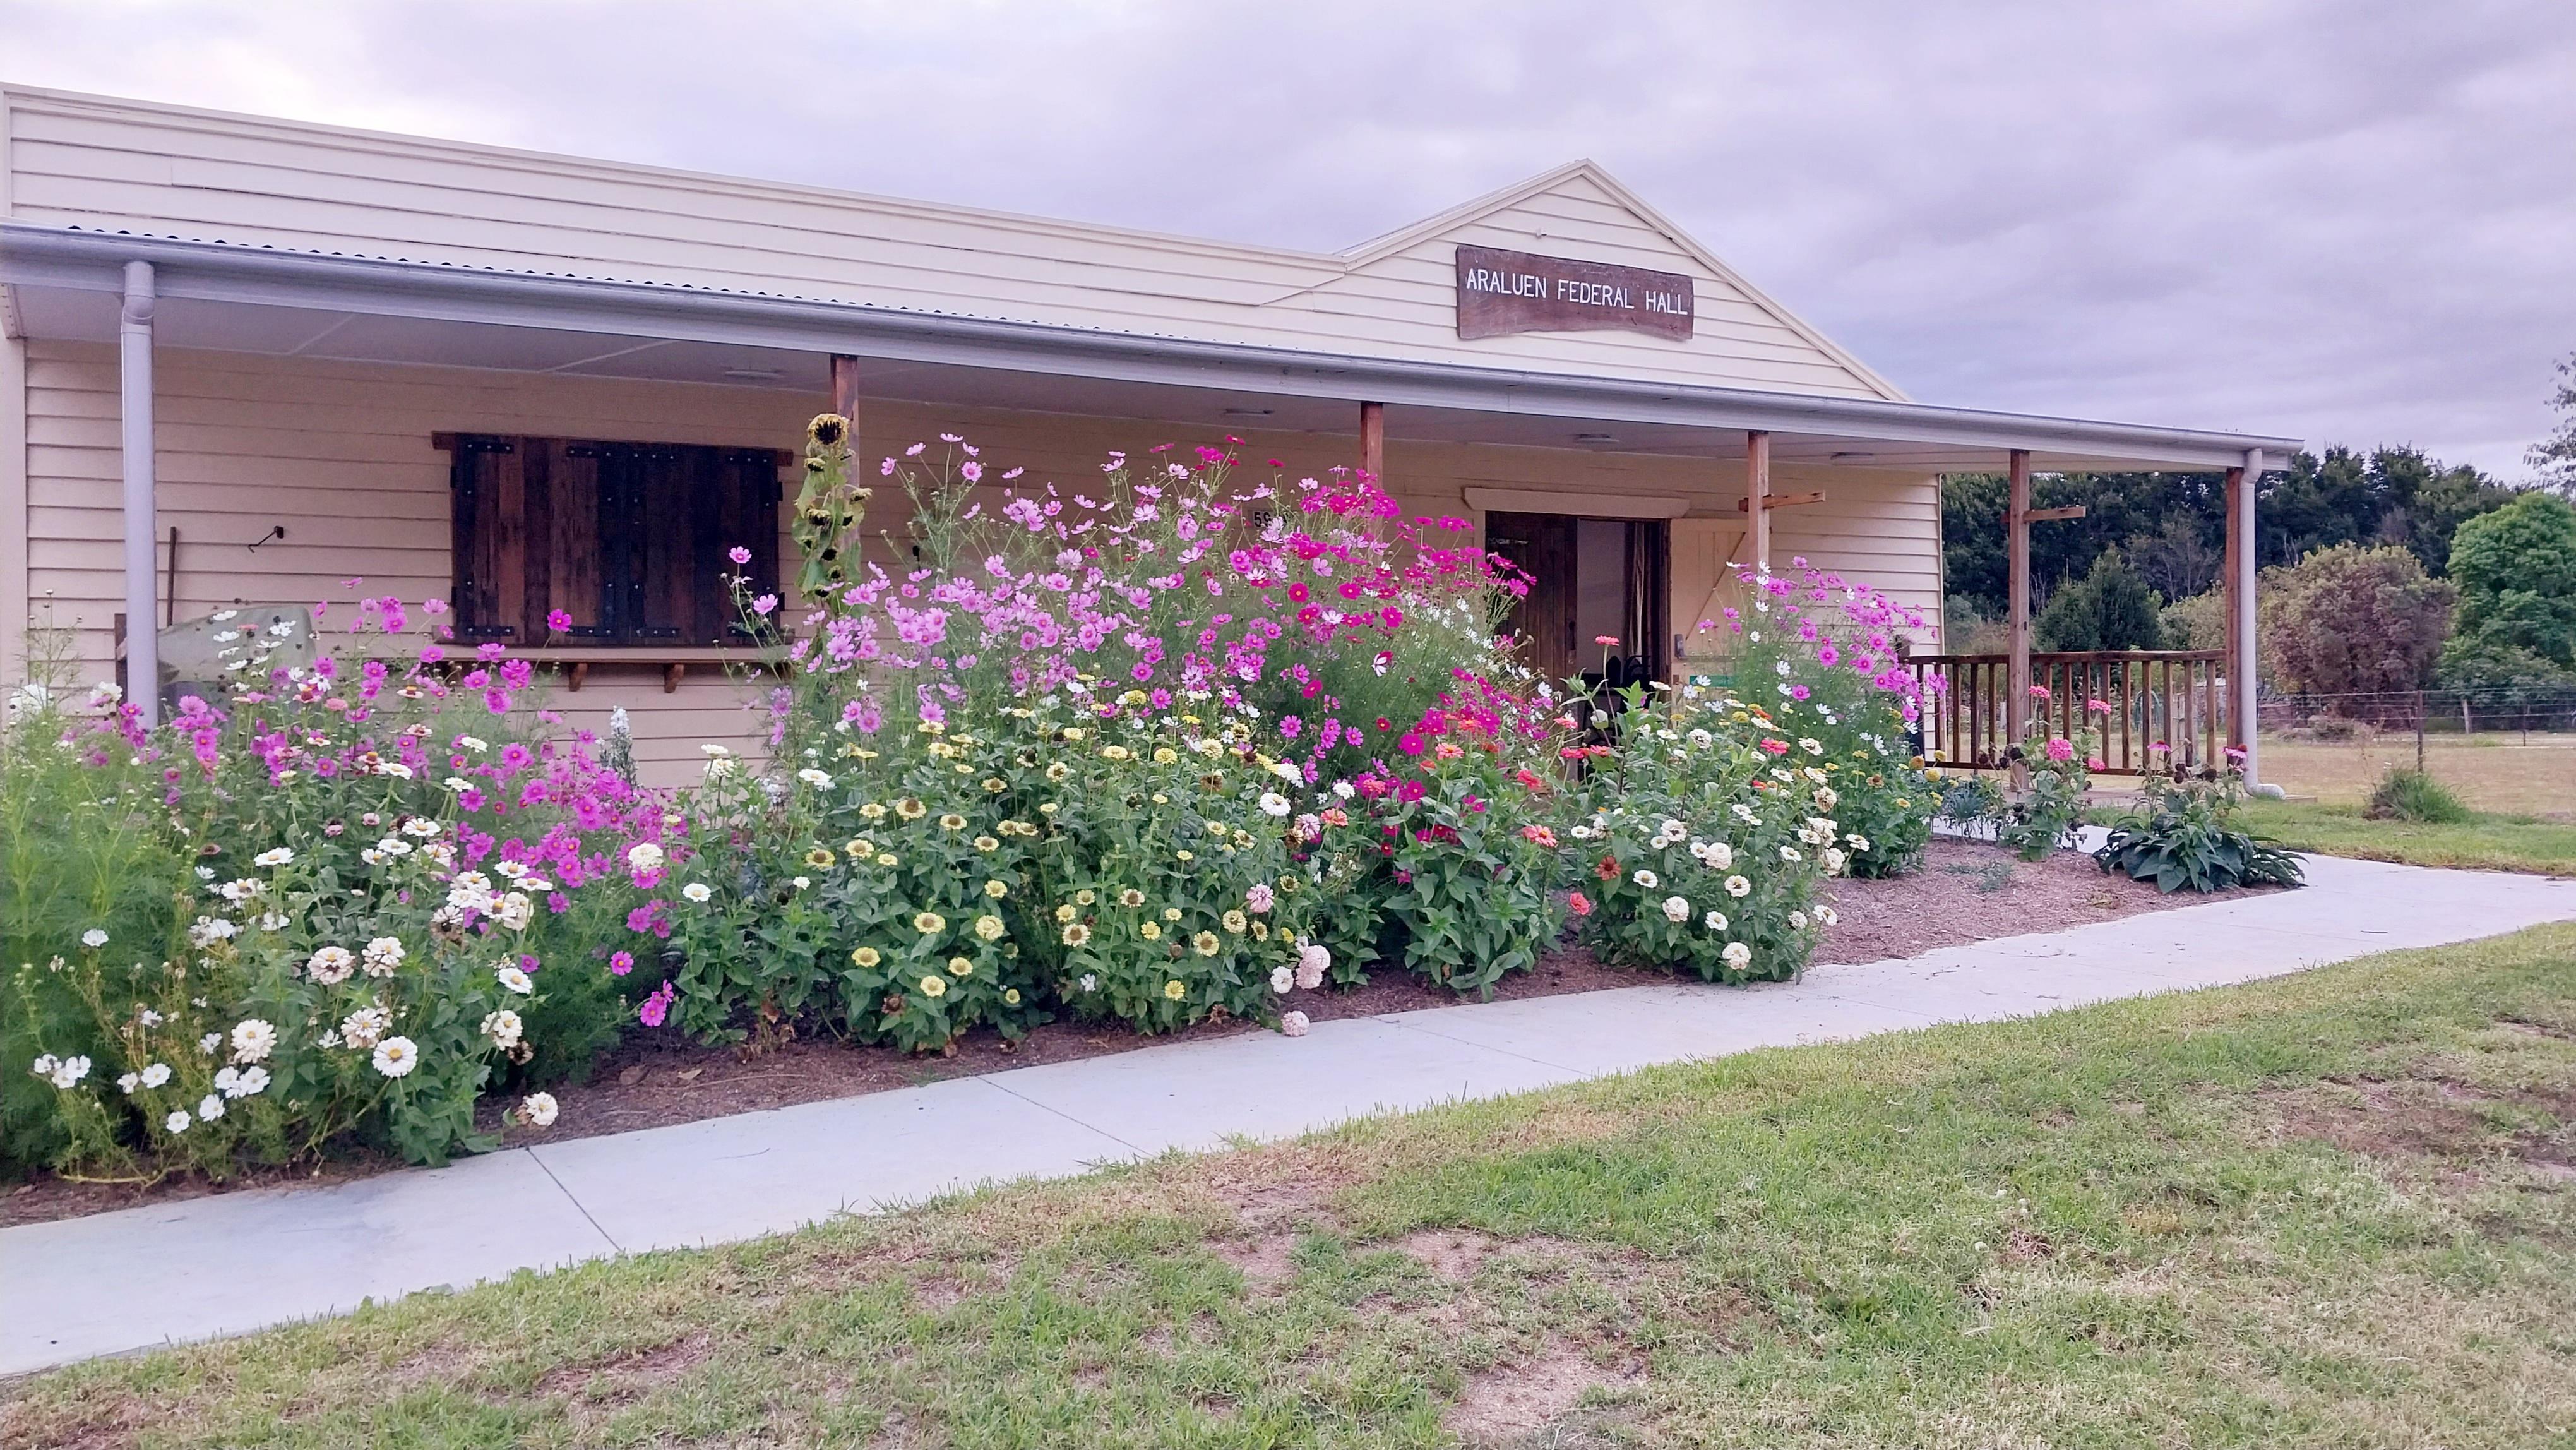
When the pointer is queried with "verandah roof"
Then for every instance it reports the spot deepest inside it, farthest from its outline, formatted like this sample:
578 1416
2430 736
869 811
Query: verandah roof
65 283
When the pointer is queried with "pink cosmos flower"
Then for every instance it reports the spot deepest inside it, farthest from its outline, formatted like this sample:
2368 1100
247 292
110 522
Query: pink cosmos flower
558 621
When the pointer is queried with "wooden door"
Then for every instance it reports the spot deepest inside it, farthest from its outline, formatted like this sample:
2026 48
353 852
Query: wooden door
1542 545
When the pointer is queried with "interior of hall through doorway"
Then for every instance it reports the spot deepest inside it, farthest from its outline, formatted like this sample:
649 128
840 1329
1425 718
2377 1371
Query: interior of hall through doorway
1590 579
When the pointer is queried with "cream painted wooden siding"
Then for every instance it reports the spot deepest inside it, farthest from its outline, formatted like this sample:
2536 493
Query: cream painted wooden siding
340 454
103 164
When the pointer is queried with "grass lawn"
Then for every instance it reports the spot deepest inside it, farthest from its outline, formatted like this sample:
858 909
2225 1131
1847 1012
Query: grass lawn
2334 1209
2505 843
2491 771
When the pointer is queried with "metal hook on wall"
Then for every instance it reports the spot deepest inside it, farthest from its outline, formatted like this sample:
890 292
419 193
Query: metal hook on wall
275 531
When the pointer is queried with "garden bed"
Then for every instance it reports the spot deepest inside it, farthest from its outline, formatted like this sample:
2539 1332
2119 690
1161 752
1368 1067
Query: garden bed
1966 892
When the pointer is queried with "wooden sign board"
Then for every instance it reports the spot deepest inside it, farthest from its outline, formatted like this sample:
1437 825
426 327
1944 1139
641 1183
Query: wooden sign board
1503 292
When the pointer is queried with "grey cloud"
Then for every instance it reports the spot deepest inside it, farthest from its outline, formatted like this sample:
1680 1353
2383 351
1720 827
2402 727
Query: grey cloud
2347 219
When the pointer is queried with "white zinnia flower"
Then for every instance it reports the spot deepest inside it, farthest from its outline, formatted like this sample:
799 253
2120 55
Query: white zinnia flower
1646 878
1288 771
1737 955
1827 915
331 965
253 1040
1833 861
1273 803
1790 853
697 891
514 979
1797 921
1714 921
515 911
421 826
1293 1024
819 779
503 1027
383 955
1676 909
278 857
396 1057
539 1110
1282 979
1738 887
362 1027
644 856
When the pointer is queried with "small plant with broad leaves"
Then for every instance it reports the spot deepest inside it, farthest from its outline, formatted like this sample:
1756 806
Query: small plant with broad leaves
2181 837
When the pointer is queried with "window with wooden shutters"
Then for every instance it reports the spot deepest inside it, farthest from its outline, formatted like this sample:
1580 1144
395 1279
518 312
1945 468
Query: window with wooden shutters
629 541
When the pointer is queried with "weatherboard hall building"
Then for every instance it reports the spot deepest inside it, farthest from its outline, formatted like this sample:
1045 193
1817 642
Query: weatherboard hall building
246 358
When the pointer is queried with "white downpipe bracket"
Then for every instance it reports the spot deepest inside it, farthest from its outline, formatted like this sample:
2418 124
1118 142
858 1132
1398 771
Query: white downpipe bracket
142 566
2247 668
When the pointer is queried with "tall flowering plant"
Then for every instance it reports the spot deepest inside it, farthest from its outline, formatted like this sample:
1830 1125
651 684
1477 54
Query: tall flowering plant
380 901
1709 831
1823 655
1117 733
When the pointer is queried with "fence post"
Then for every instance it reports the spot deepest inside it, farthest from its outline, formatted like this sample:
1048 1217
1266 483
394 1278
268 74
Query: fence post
2465 728
2419 732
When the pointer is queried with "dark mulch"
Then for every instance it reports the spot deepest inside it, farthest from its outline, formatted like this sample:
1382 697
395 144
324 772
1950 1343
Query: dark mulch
1966 892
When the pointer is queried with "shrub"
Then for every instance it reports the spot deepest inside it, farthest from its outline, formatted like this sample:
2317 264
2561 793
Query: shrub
1124 756
2180 837
2110 608
2414 795
1831 652
1709 833
2355 621
321 936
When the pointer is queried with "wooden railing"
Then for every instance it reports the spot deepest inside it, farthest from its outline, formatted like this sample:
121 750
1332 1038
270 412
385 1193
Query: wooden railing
2174 701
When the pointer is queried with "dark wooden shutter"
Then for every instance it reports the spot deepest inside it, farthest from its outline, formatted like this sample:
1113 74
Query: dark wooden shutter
630 540
744 514
487 513
564 534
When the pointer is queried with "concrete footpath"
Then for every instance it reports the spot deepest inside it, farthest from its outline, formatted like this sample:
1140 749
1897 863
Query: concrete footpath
117 1282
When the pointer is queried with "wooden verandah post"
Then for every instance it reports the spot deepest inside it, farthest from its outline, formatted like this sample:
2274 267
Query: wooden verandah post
2018 517
1759 500
2244 663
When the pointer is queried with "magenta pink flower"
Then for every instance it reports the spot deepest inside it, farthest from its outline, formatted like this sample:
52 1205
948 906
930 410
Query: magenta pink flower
2061 749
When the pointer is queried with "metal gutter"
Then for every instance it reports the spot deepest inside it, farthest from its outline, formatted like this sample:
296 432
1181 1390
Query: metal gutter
36 256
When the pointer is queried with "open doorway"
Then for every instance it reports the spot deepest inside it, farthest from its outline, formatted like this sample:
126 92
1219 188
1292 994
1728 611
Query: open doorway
1589 579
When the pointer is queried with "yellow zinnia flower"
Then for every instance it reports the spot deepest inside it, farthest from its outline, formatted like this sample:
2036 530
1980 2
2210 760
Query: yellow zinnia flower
996 890
1086 896
1076 935
872 811
1151 931
934 987
993 785
865 956
960 967
1011 995
1205 943
885 858
987 843
1236 921
1175 991
928 922
1171 913
952 822
910 809
989 928
819 858
1131 898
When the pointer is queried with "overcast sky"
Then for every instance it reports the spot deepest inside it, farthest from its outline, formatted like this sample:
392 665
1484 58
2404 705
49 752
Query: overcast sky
2349 220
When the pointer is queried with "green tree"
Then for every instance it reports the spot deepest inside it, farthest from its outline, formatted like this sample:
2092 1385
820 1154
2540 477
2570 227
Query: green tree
2516 568
2555 455
2354 621
2109 608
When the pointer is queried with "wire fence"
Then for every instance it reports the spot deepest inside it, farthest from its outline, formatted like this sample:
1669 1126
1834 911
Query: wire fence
2520 710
